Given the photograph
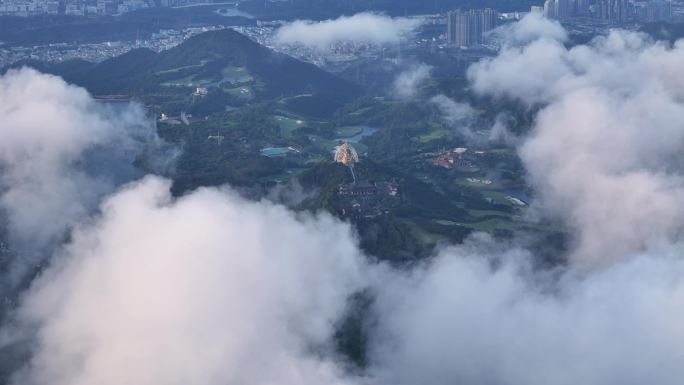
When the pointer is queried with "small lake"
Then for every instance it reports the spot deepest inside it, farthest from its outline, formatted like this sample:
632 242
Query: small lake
274 151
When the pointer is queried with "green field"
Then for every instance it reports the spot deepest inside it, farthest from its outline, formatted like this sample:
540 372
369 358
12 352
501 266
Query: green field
236 74
201 64
315 160
360 111
242 92
285 100
434 135
187 81
477 182
488 225
497 197
288 125
322 143
423 235
347 132
484 213
330 144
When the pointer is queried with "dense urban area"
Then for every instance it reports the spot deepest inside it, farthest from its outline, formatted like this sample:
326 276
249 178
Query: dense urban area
454 29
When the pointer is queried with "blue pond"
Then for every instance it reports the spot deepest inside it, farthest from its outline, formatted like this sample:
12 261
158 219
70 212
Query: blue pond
274 151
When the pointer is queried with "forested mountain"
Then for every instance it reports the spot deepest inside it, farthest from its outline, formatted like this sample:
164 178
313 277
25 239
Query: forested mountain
220 58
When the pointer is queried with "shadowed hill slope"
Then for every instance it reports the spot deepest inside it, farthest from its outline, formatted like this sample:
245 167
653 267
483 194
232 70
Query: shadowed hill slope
208 60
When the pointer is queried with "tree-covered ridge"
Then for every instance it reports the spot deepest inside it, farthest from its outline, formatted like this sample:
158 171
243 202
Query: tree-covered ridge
212 60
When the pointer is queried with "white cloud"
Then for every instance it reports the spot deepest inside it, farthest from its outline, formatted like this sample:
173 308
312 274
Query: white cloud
208 289
213 289
604 152
500 132
530 28
52 134
457 115
407 82
530 73
481 314
361 27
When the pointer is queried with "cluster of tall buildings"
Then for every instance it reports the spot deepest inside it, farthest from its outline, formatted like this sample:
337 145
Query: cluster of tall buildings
608 10
565 9
653 10
555 9
612 10
469 28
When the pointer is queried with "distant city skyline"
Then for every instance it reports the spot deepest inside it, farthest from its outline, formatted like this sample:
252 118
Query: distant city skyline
609 10
468 28
83 7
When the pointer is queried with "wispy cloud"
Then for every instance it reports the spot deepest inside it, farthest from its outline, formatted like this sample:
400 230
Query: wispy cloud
363 27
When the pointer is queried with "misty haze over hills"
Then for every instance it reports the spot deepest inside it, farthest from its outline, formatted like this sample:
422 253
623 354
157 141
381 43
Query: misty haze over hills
222 213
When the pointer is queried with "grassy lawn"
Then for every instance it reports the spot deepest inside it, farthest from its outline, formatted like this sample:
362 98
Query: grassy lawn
504 151
283 176
422 235
477 182
492 224
201 64
325 144
236 74
284 100
347 132
497 197
360 148
484 213
242 92
488 225
444 222
187 81
434 135
315 160
288 125
329 144
360 111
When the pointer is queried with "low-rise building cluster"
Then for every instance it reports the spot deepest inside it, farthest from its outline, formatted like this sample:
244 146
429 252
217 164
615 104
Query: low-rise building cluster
97 52
84 7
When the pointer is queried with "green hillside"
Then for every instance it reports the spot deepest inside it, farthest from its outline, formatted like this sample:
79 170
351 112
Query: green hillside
230 66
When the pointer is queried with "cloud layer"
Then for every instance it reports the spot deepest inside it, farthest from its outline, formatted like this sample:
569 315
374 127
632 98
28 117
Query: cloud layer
212 289
481 314
362 27
532 27
407 82
459 116
605 151
60 153
208 289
